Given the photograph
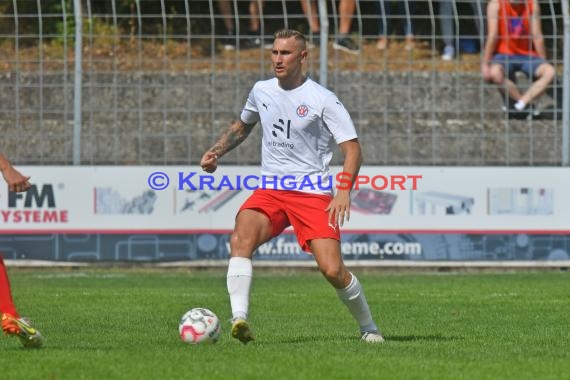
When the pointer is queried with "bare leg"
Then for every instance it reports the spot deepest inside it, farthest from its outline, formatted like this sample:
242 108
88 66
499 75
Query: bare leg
226 10
329 259
346 10
312 14
544 74
506 86
255 7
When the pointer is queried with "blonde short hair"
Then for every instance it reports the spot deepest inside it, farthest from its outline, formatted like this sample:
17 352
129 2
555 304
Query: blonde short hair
291 33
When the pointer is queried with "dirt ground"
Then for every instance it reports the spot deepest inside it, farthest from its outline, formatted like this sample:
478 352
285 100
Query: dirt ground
207 55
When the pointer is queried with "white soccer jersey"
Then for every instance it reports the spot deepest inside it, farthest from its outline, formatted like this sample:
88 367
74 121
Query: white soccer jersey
300 128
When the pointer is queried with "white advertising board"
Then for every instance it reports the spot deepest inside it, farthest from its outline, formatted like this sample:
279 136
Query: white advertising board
113 199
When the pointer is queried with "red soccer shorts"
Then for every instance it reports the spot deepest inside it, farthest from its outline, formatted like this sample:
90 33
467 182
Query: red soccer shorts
304 211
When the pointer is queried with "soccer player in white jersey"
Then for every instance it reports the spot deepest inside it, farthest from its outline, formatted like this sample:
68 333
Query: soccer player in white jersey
300 121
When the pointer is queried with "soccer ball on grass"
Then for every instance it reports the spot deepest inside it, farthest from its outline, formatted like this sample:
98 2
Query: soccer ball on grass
199 325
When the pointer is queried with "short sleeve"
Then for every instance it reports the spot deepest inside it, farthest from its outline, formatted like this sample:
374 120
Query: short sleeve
338 120
250 113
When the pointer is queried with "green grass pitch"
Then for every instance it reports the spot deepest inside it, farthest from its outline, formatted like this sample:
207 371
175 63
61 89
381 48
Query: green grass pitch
123 324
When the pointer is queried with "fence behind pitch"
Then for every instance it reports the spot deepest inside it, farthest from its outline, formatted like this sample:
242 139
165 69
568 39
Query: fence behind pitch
156 85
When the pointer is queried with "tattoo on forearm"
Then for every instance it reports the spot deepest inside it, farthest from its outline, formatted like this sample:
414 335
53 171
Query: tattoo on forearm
231 138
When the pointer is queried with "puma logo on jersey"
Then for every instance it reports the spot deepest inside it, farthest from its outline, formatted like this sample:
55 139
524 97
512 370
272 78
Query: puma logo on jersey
266 106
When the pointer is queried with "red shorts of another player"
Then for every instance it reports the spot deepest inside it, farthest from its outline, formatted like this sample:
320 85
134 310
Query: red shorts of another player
304 211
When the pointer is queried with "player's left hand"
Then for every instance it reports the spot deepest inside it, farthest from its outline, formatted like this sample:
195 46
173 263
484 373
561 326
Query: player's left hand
339 208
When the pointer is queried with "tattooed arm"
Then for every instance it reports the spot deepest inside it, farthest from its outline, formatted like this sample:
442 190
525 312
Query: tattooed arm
231 138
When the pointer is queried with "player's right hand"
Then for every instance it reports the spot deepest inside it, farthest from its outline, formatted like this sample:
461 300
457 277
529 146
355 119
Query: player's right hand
209 162
16 181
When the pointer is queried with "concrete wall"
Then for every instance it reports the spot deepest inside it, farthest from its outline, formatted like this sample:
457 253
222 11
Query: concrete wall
415 118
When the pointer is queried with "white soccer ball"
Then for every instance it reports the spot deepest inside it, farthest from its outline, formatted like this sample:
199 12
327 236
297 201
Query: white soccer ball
199 325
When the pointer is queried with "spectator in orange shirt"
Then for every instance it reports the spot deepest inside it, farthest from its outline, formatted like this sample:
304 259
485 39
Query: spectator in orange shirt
515 43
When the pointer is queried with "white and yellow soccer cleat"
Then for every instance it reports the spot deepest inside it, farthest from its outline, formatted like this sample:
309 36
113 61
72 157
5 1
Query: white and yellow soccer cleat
22 328
241 330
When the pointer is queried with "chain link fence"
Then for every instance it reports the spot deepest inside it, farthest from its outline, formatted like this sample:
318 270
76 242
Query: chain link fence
124 82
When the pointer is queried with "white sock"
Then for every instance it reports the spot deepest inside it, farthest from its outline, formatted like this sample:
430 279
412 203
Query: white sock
519 105
240 271
353 297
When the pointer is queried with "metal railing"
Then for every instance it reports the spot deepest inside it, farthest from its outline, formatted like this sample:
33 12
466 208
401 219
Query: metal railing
155 82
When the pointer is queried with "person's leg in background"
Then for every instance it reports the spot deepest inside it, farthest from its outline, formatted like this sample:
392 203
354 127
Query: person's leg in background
225 7
346 10
407 10
384 11
311 12
343 41
447 19
258 31
479 20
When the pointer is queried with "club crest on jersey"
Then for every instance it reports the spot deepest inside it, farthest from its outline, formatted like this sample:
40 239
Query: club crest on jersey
302 110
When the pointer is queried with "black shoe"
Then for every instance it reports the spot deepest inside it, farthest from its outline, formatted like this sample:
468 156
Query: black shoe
249 43
255 41
229 42
527 113
346 44
315 41
266 42
535 114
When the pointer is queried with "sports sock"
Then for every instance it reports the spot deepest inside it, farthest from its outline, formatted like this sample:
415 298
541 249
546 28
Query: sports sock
519 105
353 297
240 271
6 301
